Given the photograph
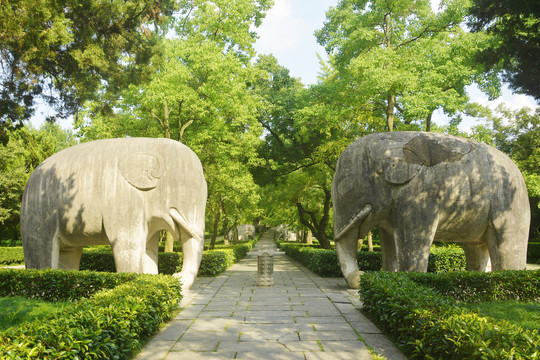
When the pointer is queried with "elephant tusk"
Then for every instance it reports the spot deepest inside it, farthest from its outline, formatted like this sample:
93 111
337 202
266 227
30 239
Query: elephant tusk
181 220
359 217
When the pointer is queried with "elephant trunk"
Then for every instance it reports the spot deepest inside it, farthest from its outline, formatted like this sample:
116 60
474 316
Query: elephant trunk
192 249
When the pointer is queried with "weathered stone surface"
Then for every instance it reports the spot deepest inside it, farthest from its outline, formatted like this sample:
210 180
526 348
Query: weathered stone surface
117 191
265 267
284 233
422 187
245 232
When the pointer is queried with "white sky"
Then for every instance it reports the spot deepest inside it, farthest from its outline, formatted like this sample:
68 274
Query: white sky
287 32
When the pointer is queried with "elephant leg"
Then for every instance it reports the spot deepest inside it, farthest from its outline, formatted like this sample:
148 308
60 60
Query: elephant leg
150 262
129 248
414 231
477 256
388 249
507 233
69 257
346 250
40 240
507 246
192 250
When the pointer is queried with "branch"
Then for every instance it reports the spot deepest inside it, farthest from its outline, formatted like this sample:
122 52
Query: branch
301 214
158 119
184 128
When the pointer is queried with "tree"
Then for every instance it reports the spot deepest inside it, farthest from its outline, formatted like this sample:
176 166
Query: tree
515 25
65 52
305 133
399 61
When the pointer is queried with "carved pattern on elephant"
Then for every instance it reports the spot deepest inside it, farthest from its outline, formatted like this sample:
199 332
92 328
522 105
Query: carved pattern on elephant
146 175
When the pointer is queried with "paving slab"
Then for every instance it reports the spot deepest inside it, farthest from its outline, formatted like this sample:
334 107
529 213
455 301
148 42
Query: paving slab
303 316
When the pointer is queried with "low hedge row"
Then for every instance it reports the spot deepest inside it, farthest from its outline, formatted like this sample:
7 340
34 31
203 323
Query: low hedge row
110 324
429 325
474 286
324 262
11 255
213 262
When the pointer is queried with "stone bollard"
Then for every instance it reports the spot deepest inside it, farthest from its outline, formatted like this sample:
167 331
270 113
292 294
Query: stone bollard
265 267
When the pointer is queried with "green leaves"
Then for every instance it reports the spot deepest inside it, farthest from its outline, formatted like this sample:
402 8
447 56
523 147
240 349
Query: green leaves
401 61
64 52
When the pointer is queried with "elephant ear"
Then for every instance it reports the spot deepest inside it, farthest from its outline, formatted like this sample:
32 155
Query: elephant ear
421 151
142 170
426 151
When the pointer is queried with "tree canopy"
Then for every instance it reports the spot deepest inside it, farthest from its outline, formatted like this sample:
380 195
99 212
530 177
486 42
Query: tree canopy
515 25
64 52
400 61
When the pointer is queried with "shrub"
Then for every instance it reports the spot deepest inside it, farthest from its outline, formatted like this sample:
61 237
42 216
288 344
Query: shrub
57 285
325 263
98 259
430 325
109 325
11 255
102 259
241 250
473 286
369 261
169 263
446 258
216 261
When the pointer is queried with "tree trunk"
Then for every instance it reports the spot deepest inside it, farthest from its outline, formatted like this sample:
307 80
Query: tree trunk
235 233
309 239
318 228
169 242
428 122
390 111
165 122
370 241
215 228
360 244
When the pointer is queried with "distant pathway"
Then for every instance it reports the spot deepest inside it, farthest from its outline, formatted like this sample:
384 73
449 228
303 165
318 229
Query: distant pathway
303 316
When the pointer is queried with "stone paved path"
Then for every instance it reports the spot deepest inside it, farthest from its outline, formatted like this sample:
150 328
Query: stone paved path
303 316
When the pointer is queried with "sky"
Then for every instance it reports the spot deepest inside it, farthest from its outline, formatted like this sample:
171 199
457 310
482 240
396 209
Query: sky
287 32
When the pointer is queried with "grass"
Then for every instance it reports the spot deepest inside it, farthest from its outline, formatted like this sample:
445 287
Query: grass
16 310
526 315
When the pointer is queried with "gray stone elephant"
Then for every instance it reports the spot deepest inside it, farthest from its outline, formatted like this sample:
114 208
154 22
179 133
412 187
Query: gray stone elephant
422 187
117 191
245 232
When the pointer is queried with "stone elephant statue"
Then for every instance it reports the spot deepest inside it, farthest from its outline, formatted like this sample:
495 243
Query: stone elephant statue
420 187
120 192
284 233
245 232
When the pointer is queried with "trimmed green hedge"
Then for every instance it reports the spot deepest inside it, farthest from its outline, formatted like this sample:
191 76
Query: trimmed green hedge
213 262
11 255
446 258
110 324
429 325
324 262
474 286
